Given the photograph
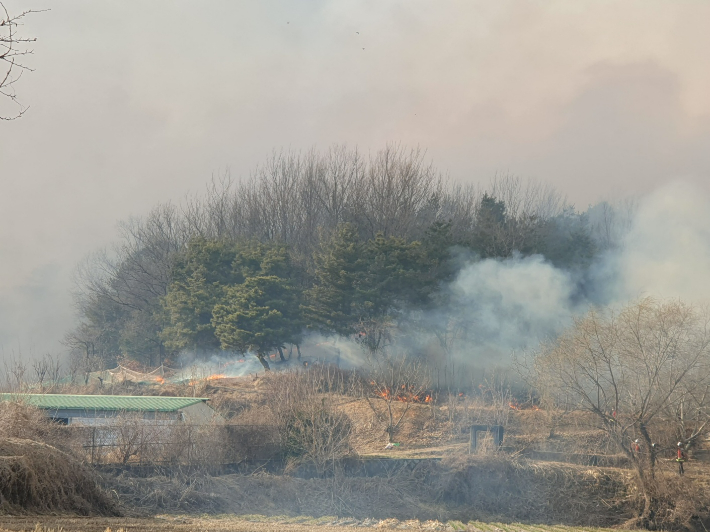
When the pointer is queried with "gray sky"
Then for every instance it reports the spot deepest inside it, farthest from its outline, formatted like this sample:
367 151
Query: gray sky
133 103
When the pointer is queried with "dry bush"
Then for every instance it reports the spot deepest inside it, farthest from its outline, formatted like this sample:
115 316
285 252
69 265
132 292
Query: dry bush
680 505
36 477
176 491
490 488
311 428
498 487
229 404
252 442
38 470
23 421
130 439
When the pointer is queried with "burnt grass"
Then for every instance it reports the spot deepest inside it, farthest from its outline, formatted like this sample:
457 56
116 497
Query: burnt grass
493 488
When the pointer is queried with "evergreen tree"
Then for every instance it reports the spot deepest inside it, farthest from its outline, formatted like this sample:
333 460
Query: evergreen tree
362 289
258 315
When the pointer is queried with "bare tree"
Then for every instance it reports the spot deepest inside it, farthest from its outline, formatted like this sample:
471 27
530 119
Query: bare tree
644 373
610 222
15 371
13 47
47 371
303 406
395 382
41 369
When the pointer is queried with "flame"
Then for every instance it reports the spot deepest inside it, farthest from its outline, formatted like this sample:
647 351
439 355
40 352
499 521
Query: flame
214 377
405 394
160 380
515 405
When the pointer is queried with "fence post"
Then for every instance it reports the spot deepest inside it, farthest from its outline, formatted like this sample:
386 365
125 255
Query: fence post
472 441
142 446
93 443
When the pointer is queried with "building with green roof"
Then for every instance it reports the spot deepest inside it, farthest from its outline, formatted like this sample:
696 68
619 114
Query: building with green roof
107 409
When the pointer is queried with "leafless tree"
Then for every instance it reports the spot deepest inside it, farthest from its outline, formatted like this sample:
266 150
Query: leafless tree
396 382
303 406
41 368
13 47
47 371
642 372
15 371
610 222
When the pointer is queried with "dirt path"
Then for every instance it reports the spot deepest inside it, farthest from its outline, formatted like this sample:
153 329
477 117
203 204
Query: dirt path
197 524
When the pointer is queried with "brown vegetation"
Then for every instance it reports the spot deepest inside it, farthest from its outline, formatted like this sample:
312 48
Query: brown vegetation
38 478
325 414
38 471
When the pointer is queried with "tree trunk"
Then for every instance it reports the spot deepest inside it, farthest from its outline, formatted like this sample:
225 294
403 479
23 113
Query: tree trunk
281 354
648 513
264 362
298 350
645 520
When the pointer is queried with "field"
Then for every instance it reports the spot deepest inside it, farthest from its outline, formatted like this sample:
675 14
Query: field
542 474
257 523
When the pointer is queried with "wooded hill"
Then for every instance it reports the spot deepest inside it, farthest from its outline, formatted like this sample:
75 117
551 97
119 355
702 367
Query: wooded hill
335 242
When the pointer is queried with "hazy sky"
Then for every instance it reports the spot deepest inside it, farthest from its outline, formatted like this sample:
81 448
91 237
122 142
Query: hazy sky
132 103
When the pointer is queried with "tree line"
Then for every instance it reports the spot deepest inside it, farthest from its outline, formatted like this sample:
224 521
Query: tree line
335 242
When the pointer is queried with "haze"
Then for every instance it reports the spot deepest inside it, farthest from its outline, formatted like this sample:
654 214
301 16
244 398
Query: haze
134 103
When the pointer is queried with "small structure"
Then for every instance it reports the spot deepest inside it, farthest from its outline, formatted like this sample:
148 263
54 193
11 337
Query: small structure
110 409
496 432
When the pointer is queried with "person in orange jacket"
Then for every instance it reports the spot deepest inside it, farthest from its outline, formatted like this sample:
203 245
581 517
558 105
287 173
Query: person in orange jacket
682 457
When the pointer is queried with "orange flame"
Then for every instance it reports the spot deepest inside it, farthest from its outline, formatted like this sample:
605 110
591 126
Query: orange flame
514 405
214 377
407 394
160 380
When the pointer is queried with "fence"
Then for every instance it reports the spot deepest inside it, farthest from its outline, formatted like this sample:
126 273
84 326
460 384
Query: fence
174 444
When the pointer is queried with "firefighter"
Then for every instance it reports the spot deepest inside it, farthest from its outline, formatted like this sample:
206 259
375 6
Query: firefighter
635 447
682 457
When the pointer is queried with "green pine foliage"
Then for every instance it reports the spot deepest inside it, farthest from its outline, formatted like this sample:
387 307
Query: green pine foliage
231 296
362 288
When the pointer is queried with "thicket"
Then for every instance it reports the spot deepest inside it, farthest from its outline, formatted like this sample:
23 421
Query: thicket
39 473
335 242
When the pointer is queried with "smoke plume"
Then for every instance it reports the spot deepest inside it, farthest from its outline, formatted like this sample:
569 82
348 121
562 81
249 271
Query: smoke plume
515 303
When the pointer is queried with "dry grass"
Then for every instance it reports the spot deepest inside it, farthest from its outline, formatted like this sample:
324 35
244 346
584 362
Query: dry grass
18 420
261 523
489 486
465 488
36 475
37 478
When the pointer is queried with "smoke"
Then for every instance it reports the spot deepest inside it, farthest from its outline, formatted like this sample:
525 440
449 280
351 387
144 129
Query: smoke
664 252
30 322
190 367
509 304
659 247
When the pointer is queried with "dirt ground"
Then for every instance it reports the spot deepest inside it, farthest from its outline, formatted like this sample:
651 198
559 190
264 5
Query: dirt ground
253 524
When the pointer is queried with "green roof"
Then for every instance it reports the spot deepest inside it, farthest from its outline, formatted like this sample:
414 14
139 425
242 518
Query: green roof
103 402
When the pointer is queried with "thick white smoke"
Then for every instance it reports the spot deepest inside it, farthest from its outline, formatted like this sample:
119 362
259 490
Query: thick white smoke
511 304
515 303
666 253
